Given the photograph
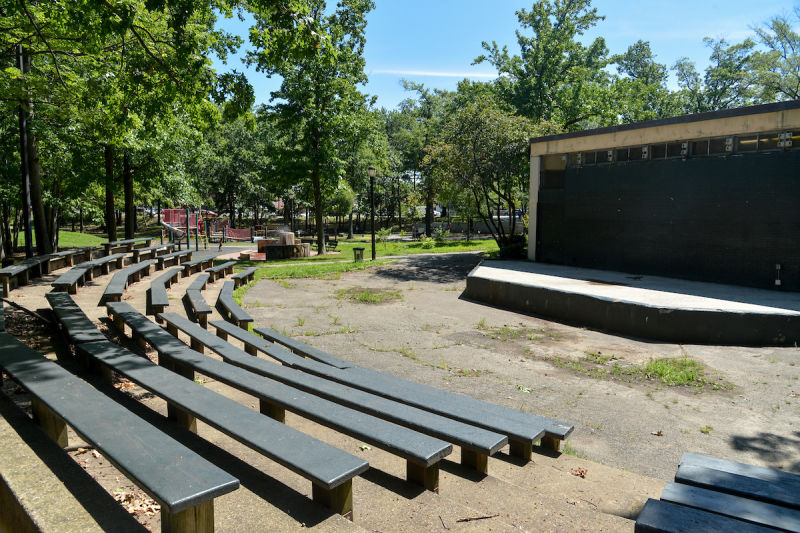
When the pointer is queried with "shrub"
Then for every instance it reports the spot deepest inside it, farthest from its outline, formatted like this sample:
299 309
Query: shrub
428 243
440 235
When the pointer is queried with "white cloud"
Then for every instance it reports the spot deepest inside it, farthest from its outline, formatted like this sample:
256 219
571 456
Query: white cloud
436 74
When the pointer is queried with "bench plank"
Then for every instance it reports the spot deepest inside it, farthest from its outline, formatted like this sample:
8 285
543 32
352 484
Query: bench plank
121 279
245 276
737 507
775 490
665 517
303 349
221 270
403 442
76 324
467 436
228 307
171 473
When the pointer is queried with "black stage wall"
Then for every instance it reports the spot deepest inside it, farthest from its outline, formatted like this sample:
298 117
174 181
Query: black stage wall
720 219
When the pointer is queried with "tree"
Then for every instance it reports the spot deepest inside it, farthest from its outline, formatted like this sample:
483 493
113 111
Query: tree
484 150
778 69
555 78
318 103
640 92
728 81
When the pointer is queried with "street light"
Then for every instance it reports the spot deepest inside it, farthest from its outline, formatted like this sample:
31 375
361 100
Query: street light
371 172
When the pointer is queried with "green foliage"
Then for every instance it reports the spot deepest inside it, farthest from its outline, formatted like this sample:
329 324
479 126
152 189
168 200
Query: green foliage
427 243
440 235
368 295
383 235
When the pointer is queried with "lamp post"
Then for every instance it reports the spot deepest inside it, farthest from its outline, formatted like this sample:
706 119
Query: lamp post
371 172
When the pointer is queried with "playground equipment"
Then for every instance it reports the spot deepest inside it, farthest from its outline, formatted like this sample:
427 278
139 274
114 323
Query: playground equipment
178 224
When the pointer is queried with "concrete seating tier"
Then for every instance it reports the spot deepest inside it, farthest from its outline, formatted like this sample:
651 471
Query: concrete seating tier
181 481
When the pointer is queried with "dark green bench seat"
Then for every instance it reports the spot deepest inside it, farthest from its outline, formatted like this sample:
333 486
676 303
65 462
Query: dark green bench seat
174 258
329 469
476 443
22 271
522 429
76 325
196 306
122 278
222 270
152 251
182 482
126 245
156 298
245 276
421 452
665 517
229 309
196 265
303 349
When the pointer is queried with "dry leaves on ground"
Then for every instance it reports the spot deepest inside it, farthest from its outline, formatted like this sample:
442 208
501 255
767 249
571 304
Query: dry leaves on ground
579 472
137 503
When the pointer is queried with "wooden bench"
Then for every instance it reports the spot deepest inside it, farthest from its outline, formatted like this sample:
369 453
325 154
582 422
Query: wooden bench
245 276
174 258
421 453
229 309
24 270
104 264
122 278
220 271
156 298
476 443
196 265
713 494
126 245
181 481
152 251
75 324
194 303
522 429
303 349
329 469
69 280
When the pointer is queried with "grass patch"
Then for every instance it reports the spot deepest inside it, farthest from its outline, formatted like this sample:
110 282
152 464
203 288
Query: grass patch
669 371
312 271
368 295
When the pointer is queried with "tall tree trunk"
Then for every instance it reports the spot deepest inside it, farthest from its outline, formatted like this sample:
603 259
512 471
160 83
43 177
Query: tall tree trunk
127 186
80 219
318 214
6 251
233 214
428 214
24 66
350 226
111 216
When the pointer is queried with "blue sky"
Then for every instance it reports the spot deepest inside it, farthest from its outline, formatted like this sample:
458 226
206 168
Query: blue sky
435 41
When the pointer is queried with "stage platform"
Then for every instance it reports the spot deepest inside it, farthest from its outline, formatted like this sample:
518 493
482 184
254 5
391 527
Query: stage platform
649 307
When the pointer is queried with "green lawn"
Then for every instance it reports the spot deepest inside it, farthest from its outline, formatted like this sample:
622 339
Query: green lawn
71 239
388 249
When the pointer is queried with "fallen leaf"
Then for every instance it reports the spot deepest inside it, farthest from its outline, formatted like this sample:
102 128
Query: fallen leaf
364 447
95 453
579 472
658 433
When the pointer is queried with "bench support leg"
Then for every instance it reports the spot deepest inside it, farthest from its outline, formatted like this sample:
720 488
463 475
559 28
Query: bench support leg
475 460
424 476
197 346
551 443
51 424
275 412
199 519
338 499
6 286
521 448
203 320
249 348
222 335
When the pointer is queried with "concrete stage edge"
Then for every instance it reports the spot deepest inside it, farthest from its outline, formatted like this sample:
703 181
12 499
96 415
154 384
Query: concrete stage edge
649 307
